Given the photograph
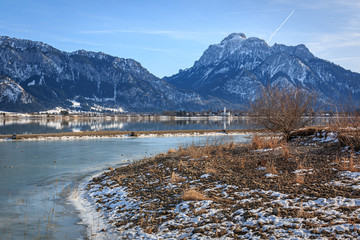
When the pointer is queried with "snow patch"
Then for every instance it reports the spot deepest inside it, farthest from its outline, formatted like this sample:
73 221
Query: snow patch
32 83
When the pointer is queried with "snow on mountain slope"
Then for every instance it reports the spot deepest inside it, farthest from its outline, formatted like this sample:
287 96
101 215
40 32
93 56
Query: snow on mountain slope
238 67
10 91
52 77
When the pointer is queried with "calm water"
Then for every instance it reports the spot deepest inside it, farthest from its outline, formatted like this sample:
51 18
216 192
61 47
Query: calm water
27 125
21 126
37 176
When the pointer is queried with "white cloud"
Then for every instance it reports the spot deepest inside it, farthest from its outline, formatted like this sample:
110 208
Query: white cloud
189 35
345 59
323 42
115 45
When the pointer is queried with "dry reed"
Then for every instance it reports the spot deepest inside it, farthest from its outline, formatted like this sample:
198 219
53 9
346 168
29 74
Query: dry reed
258 142
193 195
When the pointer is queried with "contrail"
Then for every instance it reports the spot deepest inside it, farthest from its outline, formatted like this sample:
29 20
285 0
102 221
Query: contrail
272 35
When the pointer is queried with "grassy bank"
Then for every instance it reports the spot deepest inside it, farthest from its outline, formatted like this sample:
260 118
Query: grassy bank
306 188
123 133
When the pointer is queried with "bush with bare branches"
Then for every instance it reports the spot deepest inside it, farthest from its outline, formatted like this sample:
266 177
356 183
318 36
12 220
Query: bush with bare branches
284 109
346 122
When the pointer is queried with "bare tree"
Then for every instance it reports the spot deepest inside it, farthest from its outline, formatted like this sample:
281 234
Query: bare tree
346 123
283 109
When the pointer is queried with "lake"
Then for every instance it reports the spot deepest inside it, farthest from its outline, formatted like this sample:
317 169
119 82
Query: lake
65 124
28 125
37 177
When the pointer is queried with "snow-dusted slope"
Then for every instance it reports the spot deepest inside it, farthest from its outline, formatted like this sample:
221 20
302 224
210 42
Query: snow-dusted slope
55 78
238 67
13 94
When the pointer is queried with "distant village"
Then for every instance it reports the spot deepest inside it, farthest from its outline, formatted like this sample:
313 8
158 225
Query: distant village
210 113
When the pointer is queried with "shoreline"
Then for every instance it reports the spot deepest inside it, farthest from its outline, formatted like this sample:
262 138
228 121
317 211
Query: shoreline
90 217
122 134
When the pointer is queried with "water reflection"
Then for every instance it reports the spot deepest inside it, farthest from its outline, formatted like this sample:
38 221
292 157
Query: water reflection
54 125
72 124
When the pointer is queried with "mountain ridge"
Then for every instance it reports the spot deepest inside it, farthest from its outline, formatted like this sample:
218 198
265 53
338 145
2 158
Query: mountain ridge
55 78
235 72
37 76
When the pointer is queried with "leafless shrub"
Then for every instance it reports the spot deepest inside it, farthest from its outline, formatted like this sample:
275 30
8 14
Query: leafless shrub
346 122
346 117
283 109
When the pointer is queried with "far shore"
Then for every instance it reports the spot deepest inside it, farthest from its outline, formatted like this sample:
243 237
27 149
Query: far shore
111 134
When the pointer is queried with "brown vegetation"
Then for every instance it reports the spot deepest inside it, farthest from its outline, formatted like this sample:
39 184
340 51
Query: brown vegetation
195 172
284 109
347 124
193 195
118 133
264 142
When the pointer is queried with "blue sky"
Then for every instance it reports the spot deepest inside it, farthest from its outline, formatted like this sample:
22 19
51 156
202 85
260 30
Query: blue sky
168 35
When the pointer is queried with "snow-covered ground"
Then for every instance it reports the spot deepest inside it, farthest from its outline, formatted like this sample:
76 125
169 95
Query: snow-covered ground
255 216
85 137
112 209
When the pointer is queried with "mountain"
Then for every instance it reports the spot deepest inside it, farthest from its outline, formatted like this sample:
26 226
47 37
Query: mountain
12 94
35 76
237 67
38 76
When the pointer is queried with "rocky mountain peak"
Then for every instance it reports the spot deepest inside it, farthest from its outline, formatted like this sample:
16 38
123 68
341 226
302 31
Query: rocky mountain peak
238 66
217 52
300 51
23 44
233 37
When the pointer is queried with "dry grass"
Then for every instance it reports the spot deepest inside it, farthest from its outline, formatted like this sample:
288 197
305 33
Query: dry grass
285 151
347 163
175 178
299 178
171 151
241 163
236 165
304 214
300 165
193 195
345 120
120 133
271 168
258 142
210 170
351 139
200 212
347 125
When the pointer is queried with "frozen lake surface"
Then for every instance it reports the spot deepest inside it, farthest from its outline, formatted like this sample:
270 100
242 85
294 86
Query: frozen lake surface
37 176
